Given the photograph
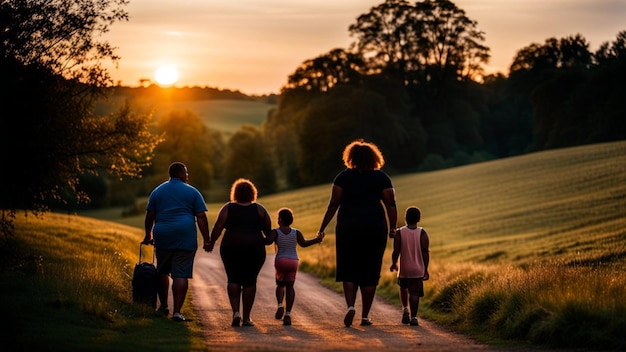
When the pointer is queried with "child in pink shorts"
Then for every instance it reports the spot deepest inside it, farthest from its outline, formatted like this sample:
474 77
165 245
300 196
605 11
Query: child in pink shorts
285 239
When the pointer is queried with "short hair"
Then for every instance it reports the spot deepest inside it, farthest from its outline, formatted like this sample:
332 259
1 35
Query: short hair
285 215
243 190
363 156
413 215
177 169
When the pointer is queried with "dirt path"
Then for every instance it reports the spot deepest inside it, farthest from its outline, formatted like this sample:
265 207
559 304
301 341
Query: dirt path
317 319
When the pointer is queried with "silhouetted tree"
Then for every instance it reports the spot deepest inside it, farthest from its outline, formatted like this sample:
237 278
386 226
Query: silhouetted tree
50 59
431 40
326 71
247 156
188 139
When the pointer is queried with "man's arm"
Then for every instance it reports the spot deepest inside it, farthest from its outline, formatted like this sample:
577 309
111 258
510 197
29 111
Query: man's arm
148 225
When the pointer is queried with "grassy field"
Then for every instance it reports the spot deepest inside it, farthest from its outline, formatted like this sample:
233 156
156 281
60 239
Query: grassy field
226 116
528 250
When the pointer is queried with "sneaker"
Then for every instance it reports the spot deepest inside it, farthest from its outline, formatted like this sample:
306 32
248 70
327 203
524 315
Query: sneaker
279 313
287 320
248 323
236 319
347 320
366 322
405 317
178 317
414 321
163 310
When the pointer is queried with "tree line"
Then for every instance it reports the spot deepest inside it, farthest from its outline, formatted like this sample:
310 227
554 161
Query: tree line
412 82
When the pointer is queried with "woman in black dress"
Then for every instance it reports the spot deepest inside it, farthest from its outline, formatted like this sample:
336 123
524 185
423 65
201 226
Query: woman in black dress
364 200
247 224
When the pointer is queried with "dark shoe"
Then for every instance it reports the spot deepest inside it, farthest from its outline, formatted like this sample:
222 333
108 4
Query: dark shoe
366 322
236 320
414 321
163 310
347 320
287 320
248 323
406 318
178 317
279 313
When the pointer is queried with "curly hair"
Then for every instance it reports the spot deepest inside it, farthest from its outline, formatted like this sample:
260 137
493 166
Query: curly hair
363 155
243 191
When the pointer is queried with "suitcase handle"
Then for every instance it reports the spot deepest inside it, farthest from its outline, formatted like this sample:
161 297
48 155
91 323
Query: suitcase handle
153 254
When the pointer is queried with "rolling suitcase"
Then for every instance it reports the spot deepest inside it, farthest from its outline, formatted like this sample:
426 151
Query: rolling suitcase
145 282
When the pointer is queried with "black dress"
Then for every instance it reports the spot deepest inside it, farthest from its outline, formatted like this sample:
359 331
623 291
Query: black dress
361 230
243 247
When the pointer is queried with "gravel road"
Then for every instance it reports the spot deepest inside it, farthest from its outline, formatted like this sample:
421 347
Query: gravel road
317 319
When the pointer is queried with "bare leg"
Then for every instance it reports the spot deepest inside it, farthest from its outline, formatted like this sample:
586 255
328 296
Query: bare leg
247 298
280 294
349 292
164 288
234 294
291 295
179 291
404 297
367 296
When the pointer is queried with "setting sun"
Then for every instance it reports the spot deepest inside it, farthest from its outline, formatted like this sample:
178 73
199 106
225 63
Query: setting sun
166 75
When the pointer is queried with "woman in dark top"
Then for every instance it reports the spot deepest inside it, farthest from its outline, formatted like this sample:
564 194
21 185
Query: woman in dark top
242 249
361 196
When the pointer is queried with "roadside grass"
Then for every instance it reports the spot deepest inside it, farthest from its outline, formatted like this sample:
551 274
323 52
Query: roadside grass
66 285
528 250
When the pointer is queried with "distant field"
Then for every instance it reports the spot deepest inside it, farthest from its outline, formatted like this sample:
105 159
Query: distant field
226 116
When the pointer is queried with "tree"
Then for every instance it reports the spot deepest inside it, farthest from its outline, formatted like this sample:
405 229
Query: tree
189 140
565 53
431 40
247 156
326 71
50 59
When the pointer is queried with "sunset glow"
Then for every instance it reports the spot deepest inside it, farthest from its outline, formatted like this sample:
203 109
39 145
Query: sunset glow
253 46
166 75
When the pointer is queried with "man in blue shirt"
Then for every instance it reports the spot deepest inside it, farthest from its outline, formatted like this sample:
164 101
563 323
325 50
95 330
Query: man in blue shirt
170 224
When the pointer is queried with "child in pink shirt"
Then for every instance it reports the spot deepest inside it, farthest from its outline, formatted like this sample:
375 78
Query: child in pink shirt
410 244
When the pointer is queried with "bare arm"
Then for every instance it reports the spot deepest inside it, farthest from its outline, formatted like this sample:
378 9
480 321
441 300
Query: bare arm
271 238
397 244
304 242
425 244
217 228
148 225
267 221
203 225
389 200
333 205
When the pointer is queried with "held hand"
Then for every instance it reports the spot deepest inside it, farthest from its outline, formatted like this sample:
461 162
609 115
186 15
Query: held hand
392 233
393 267
148 241
208 246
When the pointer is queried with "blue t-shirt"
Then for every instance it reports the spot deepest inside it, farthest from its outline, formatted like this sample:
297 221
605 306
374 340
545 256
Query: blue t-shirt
176 204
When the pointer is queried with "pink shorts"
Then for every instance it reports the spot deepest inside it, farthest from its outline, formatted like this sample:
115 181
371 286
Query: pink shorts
286 269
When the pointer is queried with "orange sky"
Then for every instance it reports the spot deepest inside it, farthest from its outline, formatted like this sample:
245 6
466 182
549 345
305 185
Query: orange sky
254 45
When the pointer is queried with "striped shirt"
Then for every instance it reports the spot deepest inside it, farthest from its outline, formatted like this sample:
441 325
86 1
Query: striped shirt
286 243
